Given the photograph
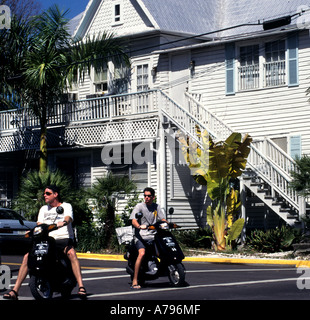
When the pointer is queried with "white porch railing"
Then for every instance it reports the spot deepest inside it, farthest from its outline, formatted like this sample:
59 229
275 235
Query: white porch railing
103 109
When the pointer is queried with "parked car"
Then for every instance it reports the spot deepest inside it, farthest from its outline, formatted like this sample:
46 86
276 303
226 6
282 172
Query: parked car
11 229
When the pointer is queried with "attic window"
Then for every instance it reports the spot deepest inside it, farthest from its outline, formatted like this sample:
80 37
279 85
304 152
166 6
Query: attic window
117 14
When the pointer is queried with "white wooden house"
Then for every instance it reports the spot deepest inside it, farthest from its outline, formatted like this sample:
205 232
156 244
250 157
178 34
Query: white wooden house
216 64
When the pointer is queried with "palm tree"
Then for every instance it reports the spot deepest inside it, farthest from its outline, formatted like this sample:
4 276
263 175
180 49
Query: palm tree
30 196
105 190
49 62
301 176
14 44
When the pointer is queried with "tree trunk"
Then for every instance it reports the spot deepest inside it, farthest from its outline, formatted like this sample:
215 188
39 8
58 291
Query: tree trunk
43 149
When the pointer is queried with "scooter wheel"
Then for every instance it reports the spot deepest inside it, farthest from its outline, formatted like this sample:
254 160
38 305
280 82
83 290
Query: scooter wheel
40 288
176 274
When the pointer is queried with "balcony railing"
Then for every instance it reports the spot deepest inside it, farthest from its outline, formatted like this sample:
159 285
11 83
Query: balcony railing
248 77
275 74
97 109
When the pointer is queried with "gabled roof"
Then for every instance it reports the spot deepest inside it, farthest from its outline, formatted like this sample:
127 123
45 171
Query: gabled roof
203 16
251 11
183 16
74 22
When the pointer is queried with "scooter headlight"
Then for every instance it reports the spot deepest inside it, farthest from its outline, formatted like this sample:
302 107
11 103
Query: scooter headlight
37 230
164 225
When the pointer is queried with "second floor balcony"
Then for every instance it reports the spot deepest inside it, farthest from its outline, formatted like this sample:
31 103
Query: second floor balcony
84 123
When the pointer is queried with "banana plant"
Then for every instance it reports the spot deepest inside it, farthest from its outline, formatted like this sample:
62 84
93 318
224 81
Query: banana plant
215 165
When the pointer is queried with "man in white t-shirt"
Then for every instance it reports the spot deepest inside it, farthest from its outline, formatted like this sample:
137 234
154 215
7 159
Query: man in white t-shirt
49 215
64 237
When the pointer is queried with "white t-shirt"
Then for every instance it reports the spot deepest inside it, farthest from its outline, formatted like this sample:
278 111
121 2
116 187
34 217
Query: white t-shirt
48 215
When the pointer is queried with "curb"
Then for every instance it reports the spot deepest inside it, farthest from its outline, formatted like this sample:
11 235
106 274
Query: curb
118 257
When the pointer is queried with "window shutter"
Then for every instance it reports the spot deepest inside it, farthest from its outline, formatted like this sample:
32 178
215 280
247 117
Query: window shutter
230 67
292 47
295 146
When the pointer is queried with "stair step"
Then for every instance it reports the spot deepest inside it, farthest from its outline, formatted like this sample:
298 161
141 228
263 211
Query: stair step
256 184
277 203
292 216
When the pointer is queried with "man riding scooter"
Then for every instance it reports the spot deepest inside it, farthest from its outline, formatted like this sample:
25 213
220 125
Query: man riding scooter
63 236
151 213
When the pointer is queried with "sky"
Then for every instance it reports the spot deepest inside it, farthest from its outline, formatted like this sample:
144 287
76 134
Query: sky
75 6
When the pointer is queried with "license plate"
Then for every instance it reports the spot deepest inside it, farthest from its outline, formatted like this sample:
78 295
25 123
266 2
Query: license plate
41 249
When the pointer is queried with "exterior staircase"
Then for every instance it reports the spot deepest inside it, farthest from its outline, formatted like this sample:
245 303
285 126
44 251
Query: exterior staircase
268 168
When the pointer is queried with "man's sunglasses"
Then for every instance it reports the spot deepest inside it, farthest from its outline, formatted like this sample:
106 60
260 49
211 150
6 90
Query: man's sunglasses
148 195
47 193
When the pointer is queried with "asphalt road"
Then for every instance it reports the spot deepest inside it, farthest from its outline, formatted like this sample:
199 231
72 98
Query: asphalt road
108 281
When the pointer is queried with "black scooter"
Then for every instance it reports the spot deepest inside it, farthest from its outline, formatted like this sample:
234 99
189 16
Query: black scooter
163 257
49 270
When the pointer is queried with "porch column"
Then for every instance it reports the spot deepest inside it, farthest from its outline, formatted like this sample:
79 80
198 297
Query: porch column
243 210
162 173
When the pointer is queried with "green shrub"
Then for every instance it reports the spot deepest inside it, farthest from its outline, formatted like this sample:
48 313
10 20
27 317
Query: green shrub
196 238
273 240
90 237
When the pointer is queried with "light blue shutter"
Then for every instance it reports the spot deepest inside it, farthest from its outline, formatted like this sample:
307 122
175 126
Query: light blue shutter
292 48
230 67
295 146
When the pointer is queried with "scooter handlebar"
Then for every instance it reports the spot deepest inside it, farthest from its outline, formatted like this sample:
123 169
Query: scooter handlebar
36 229
158 224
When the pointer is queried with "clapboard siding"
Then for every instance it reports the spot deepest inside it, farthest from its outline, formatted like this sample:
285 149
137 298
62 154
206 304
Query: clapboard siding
262 112
189 208
131 20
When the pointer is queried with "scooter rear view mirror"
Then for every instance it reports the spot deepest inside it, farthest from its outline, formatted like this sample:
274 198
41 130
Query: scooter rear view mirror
60 210
139 215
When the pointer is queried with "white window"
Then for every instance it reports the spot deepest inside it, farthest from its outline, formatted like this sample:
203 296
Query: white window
117 13
274 66
249 67
101 79
263 65
138 173
142 77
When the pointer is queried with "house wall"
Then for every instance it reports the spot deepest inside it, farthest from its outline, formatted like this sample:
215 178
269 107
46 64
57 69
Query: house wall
260 112
271 112
130 17
188 198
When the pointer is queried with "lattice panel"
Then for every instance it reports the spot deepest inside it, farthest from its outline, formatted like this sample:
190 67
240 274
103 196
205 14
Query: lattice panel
112 131
7 144
131 130
20 141
83 135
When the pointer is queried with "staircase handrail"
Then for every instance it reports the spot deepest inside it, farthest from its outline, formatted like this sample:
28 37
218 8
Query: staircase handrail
269 148
276 154
274 175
